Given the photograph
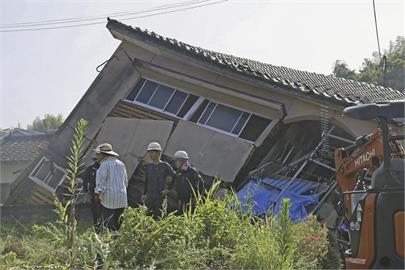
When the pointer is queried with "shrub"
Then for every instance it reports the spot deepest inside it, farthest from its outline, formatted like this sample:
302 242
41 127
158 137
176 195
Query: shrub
333 258
146 242
201 238
46 247
217 227
215 235
311 243
269 243
258 251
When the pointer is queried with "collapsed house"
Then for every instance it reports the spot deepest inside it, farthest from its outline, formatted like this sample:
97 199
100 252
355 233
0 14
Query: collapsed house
240 120
18 148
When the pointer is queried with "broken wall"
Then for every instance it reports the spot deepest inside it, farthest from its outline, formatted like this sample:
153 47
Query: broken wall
130 138
213 153
112 84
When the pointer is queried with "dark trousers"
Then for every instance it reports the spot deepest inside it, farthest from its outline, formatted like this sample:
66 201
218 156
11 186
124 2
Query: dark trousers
181 207
96 213
184 205
155 208
111 218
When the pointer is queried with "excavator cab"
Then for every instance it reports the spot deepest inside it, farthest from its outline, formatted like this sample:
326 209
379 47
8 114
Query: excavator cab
375 212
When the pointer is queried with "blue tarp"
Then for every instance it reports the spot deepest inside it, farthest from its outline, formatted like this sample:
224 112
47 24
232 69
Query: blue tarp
256 196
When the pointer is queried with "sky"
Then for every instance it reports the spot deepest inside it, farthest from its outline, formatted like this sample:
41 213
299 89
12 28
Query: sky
48 71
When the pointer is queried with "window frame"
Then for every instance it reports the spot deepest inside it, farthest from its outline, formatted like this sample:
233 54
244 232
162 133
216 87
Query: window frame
194 108
221 130
41 182
147 106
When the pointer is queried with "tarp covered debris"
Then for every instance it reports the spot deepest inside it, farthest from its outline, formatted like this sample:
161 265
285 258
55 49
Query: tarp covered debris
259 194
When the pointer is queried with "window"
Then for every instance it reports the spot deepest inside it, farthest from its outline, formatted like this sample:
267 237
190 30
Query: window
172 101
194 118
48 174
242 124
162 98
224 118
254 127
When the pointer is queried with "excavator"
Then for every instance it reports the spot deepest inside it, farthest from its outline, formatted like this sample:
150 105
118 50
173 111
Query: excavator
370 179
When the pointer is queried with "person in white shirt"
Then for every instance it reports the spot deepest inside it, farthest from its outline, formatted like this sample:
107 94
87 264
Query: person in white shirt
111 186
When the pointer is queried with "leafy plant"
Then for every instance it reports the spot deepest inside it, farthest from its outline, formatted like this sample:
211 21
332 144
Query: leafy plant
214 234
311 242
58 244
74 169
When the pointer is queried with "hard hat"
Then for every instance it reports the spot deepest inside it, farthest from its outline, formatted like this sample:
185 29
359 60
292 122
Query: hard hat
181 155
154 146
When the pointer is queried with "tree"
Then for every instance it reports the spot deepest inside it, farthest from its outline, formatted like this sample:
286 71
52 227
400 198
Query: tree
372 70
341 69
49 123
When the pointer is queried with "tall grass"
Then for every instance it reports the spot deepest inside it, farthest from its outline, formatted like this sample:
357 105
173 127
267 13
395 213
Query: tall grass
213 236
216 235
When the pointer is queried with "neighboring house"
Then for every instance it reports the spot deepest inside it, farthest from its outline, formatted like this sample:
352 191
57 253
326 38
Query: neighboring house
232 115
17 150
18 132
4 133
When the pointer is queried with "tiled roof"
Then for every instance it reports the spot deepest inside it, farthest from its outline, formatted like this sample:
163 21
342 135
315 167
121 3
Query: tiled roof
320 86
23 148
19 132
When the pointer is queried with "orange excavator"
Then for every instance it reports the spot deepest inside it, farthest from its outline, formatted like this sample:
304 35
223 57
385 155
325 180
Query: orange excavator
370 177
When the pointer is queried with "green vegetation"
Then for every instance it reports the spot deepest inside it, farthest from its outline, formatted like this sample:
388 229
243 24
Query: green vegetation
372 68
50 123
216 235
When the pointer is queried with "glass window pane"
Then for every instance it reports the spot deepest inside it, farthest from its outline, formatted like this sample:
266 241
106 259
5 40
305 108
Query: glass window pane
161 97
224 118
236 130
196 115
136 89
43 170
207 113
146 92
187 105
176 102
56 178
254 127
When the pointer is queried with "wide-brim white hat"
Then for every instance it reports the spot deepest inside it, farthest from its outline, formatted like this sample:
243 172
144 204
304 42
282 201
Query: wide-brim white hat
105 148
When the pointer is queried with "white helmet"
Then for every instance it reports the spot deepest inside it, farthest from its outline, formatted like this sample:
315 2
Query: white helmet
181 155
154 146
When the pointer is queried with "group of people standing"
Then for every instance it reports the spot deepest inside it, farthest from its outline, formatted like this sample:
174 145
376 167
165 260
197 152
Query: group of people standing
106 182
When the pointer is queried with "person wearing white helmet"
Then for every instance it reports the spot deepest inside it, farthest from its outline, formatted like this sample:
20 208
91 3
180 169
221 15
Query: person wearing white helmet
157 175
187 181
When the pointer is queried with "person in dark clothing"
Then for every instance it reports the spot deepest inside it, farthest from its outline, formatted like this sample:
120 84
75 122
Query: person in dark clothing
89 184
157 175
187 182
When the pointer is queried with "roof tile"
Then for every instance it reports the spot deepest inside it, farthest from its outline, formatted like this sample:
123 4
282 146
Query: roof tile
23 148
337 90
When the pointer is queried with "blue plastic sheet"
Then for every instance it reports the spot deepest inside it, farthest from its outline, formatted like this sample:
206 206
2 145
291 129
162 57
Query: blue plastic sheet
255 196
